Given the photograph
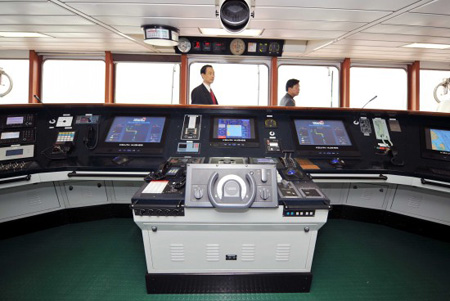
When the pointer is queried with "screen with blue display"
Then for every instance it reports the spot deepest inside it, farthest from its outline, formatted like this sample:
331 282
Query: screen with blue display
321 132
136 129
234 129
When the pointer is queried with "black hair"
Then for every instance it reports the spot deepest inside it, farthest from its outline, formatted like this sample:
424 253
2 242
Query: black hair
203 70
291 83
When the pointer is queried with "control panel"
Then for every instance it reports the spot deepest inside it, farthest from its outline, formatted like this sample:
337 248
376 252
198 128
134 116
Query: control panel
231 187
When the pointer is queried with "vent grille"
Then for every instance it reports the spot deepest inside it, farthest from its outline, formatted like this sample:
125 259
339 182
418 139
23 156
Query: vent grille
177 252
248 252
34 200
283 252
212 252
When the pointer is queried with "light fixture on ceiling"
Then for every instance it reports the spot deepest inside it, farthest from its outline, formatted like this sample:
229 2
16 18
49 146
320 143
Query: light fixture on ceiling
427 46
235 15
17 34
161 35
223 32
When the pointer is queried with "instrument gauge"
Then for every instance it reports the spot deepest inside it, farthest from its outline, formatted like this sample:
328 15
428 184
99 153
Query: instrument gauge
237 46
274 47
184 45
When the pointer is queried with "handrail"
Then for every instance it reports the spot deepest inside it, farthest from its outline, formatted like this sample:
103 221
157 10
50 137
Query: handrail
432 183
17 179
380 177
74 174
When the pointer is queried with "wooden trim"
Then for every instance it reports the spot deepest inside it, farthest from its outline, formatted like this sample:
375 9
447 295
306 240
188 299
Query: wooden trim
184 80
109 77
344 91
273 95
414 86
35 77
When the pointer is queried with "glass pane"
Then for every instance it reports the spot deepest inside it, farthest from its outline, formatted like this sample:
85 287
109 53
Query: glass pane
388 84
429 79
73 81
18 71
147 83
235 84
319 85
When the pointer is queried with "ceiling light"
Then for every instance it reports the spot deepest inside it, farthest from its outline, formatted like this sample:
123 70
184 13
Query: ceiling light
223 32
161 35
17 34
428 46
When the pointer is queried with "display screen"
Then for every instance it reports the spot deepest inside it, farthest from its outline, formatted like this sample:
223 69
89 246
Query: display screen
438 140
87 119
321 132
136 129
14 120
234 129
14 152
10 135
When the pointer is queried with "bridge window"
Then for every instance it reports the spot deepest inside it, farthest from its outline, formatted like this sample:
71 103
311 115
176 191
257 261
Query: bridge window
147 83
388 84
429 80
73 81
18 71
319 85
235 84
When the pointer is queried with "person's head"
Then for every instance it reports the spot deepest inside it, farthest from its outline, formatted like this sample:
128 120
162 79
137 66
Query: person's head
207 73
293 87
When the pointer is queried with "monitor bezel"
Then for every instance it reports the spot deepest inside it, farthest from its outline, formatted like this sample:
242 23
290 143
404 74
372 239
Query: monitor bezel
214 126
325 150
426 150
141 148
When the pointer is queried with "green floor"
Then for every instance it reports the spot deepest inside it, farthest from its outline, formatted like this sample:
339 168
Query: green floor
104 260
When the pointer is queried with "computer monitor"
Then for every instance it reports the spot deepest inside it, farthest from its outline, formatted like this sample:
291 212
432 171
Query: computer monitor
234 132
436 143
133 135
324 138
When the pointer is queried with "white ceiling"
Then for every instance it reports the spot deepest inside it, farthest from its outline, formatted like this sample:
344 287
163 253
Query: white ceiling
358 29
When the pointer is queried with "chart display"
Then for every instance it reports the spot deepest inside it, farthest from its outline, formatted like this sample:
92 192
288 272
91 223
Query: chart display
136 129
322 132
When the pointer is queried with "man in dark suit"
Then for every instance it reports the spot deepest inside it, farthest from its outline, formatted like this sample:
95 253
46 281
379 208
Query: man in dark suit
203 95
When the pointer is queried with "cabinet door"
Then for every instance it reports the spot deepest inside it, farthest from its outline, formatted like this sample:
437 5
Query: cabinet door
422 203
27 200
85 193
336 192
367 195
124 190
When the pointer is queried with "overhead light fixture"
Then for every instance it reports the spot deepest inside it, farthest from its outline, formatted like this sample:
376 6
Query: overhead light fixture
161 35
427 46
17 34
224 32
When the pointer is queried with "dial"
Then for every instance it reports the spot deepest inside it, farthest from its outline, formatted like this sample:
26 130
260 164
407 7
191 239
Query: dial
184 45
237 46
274 47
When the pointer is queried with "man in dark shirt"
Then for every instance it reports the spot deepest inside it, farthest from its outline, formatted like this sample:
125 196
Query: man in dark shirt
203 95
292 89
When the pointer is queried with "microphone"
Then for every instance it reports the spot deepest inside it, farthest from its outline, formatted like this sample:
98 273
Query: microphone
37 98
356 121
369 101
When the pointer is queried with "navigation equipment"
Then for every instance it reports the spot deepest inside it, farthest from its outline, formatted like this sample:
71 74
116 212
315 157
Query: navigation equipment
436 144
234 132
135 135
323 138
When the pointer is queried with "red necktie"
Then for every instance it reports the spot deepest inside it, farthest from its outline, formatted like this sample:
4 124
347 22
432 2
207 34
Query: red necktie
213 97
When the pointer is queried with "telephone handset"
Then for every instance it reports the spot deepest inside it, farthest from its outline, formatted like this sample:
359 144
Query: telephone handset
231 191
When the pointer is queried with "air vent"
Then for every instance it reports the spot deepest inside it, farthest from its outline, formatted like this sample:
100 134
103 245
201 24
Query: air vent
212 252
283 252
177 252
248 252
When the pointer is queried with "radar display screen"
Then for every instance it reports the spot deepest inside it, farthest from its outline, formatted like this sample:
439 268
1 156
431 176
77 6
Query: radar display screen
136 129
234 129
322 132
